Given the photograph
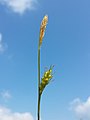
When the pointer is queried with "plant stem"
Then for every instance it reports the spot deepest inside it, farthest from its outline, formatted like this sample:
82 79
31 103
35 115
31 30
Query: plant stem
39 106
39 96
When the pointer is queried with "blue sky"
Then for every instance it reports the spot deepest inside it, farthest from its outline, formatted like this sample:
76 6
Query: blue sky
66 45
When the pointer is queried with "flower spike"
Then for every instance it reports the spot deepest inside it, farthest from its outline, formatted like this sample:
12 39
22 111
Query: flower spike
46 79
42 29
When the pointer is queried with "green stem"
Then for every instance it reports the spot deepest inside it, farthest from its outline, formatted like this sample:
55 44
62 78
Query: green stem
39 96
39 106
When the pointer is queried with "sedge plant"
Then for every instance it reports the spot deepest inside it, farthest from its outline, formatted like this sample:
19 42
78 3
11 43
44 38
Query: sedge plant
47 76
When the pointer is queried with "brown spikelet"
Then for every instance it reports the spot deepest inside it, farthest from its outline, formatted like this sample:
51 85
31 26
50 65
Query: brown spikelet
42 28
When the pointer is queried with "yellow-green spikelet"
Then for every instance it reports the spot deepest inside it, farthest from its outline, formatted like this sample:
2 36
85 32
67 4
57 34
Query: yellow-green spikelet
46 79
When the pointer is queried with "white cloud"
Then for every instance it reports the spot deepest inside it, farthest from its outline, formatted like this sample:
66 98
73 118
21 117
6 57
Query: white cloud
81 109
3 46
5 95
0 37
19 6
7 114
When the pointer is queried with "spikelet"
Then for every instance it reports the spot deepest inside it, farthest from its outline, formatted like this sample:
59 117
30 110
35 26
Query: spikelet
46 79
42 29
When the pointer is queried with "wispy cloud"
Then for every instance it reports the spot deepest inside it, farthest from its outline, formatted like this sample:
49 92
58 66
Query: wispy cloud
7 114
81 109
3 46
19 6
10 56
5 95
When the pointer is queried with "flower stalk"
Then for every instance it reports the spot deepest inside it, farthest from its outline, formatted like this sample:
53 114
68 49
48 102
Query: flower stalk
48 74
38 83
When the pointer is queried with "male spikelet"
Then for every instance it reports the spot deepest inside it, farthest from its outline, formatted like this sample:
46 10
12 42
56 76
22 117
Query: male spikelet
46 79
42 29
